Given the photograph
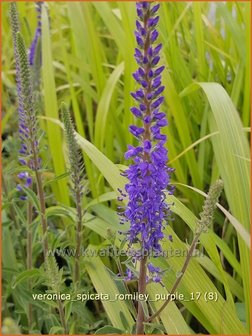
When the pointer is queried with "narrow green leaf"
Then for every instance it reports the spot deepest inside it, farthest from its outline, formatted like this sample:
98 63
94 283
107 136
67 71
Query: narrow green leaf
25 275
51 109
104 284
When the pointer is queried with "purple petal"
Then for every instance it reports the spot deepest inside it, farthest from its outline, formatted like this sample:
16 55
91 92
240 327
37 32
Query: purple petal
137 77
158 71
154 36
150 52
144 84
141 72
160 137
142 107
136 131
159 115
156 279
152 22
162 123
23 175
139 13
157 102
138 53
150 73
140 93
22 161
156 83
155 60
139 40
28 182
132 151
145 60
136 112
157 49
147 119
19 187
138 25
147 145
159 90
155 9
153 269
150 96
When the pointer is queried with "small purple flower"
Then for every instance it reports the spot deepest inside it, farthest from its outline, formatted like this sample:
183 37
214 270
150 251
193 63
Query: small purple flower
136 131
154 36
23 175
136 112
22 161
155 9
19 187
129 275
159 71
148 175
156 278
27 182
152 22
132 151
153 269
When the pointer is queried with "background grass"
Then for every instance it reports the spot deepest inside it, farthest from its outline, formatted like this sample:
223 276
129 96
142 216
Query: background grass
87 61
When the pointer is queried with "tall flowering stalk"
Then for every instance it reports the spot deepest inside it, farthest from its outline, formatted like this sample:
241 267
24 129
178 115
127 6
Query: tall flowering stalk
148 175
76 173
34 44
28 125
54 278
203 224
35 57
28 131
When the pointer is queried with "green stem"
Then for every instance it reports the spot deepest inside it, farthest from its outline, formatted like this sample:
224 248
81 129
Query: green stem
41 197
141 290
62 316
179 278
146 157
29 257
78 236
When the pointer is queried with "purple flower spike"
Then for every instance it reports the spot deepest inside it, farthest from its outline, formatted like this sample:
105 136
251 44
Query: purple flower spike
37 34
148 175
